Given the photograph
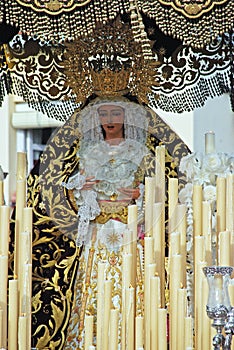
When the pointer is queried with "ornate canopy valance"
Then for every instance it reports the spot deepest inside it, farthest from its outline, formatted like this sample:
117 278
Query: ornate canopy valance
195 22
186 77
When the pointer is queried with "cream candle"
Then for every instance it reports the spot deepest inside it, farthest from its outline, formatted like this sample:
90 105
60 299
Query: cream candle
159 246
149 200
160 174
88 331
139 333
100 303
197 209
4 229
132 225
1 193
207 231
162 329
209 142
130 312
172 202
13 315
224 248
107 307
221 204
114 324
22 333
3 296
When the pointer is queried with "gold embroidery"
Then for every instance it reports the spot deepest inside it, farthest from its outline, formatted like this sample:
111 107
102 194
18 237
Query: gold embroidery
113 210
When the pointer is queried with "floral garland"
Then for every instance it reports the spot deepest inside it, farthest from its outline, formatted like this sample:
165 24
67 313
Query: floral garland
202 169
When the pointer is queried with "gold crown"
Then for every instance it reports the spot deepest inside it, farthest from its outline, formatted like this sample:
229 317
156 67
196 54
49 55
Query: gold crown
109 63
110 83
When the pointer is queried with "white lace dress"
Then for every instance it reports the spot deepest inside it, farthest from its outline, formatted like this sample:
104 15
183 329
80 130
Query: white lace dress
102 232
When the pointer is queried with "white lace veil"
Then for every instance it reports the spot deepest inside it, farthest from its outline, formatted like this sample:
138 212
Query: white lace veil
135 120
135 128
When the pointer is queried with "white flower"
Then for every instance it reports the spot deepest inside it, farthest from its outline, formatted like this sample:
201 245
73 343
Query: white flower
209 193
191 164
213 163
202 177
185 193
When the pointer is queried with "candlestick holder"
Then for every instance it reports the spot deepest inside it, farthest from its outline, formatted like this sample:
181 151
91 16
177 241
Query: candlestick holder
218 306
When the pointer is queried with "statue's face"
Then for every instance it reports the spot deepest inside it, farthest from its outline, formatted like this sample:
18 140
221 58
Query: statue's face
112 120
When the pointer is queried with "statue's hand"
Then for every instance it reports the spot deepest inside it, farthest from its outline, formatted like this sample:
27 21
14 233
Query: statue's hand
130 193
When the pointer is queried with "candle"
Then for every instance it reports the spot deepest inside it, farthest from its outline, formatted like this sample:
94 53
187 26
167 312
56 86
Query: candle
197 209
20 204
224 251
181 227
155 290
132 225
22 333
160 174
28 219
162 329
25 276
132 219
149 250
127 241
100 304
114 325
159 212
159 246
126 282
181 313
149 272
28 227
139 334
1 192
1 328
25 241
172 202
13 315
88 331
175 280
154 305
199 261
209 142
26 298
175 246
107 306
199 250
230 203
130 312
221 204
149 200
3 296
198 306
206 323
188 332
4 229
207 231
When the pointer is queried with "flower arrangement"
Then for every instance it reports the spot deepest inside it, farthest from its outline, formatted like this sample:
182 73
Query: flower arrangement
203 169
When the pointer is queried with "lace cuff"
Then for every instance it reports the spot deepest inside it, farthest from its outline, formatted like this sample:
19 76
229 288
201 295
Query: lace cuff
75 182
87 203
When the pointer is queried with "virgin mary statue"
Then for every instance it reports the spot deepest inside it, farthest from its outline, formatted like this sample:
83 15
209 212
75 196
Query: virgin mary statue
91 170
